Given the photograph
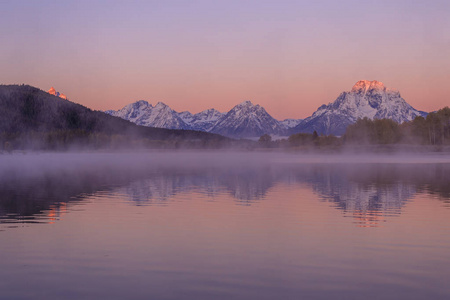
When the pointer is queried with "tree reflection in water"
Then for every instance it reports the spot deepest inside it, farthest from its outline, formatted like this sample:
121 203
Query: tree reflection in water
369 193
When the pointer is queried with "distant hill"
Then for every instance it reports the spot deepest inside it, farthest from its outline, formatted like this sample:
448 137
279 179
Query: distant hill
30 114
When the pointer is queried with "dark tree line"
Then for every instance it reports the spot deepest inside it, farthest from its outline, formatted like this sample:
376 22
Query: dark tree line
432 130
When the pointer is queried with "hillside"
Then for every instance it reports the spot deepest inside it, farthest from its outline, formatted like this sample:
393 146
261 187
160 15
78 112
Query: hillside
30 115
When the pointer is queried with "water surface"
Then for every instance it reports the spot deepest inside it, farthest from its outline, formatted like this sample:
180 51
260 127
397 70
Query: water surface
224 226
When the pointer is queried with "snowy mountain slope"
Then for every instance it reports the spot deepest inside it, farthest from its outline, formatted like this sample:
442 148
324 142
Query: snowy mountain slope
369 99
205 120
290 123
186 116
143 113
247 120
244 120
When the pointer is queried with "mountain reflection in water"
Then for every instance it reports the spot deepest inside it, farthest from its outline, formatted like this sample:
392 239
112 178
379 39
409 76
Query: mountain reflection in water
370 193
184 225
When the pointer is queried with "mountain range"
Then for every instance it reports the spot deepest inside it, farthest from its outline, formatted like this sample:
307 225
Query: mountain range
32 118
369 99
243 120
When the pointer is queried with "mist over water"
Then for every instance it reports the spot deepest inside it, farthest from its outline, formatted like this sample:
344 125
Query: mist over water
221 225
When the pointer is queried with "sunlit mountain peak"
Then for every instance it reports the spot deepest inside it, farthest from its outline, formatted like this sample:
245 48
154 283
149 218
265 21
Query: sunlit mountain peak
52 91
365 85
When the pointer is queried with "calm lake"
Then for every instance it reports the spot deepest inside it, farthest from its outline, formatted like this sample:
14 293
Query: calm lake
185 225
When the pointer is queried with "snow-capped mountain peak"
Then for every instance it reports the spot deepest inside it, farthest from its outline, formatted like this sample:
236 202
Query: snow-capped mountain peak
143 113
204 120
208 115
161 105
247 120
366 85
133 112
369 99
246 103
186 116
141 103
52 91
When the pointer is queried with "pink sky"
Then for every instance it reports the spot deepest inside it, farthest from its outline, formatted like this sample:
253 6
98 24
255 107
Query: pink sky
289 56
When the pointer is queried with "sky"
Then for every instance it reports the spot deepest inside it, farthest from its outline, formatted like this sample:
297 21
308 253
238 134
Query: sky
288 56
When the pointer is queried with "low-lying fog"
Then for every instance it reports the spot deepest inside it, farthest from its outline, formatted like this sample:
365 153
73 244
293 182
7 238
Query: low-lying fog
62 169
29 165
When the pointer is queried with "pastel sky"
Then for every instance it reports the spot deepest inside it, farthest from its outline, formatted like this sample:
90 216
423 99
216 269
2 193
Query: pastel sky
289 56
